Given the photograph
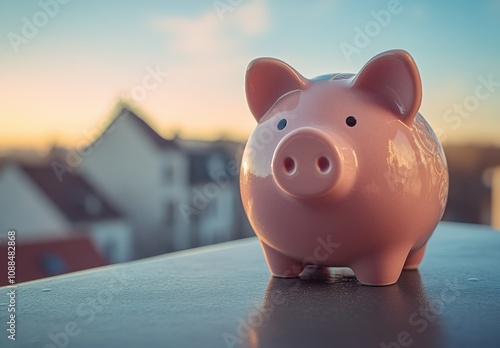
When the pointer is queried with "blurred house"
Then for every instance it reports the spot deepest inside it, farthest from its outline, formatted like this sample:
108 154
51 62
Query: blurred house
167 189
495 197
471 174
213 210
35 204
40 258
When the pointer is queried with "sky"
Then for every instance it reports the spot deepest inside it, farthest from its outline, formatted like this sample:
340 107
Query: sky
66 64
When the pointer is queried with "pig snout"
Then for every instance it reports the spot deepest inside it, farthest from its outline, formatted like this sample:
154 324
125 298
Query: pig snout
307 163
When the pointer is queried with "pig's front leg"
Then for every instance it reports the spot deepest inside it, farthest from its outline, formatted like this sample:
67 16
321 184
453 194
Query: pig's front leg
414 258
381 268
281 265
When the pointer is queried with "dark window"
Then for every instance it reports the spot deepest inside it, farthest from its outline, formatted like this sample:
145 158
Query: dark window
169 174
170 214
54 264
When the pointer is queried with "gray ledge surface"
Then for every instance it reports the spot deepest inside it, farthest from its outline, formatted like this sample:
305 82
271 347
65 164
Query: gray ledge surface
223 296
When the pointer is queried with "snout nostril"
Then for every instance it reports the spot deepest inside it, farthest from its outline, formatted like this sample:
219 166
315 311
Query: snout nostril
289 166
324 165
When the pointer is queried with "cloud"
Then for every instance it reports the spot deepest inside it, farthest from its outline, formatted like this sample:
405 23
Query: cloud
493 6
194 36
213 32
252 18
207 58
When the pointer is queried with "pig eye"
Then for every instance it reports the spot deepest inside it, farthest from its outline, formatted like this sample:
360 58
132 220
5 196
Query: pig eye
350 121
281 124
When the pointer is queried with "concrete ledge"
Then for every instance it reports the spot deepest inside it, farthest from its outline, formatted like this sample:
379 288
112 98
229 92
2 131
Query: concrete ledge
223 295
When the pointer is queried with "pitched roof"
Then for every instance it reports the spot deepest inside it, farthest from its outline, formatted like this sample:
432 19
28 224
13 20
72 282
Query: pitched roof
74 196
157 139
44 258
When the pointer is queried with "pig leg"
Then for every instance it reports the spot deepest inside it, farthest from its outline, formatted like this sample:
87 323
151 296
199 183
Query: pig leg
414 258
383 268
281 265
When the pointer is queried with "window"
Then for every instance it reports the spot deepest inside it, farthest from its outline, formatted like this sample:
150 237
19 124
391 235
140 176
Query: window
169 174
170 214
53 264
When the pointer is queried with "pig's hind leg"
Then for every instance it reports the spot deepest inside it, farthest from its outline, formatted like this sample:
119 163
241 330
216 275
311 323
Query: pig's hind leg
280 264
414 258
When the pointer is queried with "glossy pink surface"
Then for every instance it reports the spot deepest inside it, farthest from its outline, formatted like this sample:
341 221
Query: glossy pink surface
355 177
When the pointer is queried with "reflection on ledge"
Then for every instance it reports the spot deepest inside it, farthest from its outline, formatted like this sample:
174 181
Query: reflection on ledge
329 308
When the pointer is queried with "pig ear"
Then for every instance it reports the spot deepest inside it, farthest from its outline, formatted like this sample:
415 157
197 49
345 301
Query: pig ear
393 77
268 79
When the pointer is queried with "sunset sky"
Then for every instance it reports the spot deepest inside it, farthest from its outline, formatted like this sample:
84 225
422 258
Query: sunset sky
63 67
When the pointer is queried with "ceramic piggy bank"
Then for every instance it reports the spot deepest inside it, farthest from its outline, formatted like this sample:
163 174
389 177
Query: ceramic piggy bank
342 170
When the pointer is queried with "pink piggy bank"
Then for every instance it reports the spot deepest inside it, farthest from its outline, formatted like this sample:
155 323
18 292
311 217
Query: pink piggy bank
342 170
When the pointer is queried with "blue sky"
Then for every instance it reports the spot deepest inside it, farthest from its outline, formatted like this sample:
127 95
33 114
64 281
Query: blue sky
65 79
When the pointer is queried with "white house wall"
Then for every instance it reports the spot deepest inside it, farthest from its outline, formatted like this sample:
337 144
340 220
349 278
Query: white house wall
25 208
129 169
